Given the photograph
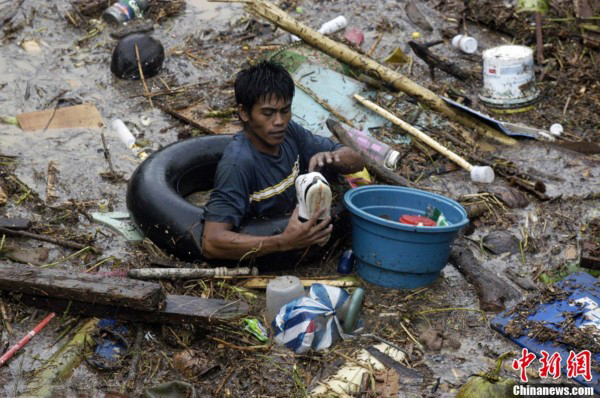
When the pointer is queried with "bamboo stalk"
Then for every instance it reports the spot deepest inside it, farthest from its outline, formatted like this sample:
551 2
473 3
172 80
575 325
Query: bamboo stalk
345 54
416 133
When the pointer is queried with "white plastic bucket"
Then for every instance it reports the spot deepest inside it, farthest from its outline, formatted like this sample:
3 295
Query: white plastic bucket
508 77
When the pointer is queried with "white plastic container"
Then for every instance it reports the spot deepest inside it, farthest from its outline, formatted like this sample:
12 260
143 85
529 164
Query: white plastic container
280 291
508 77
332 26
466 43
123 133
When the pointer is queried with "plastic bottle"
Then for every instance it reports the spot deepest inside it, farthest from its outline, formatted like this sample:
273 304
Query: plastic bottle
332 26
466 43
125 10
280 291
123 133
346 262
378 151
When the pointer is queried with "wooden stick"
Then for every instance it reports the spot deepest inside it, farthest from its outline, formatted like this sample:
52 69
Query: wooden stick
10 353
346 54
107 156
60 242
378 171
324 104
4 316
137 56
188 273
374 46
416 133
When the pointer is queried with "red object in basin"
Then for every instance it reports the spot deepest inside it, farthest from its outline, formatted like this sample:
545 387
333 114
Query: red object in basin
414 219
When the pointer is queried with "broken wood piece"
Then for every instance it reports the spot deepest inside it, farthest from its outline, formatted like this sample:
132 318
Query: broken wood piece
15 224
177 309
76 116
23 234
80 286
383 174
433 61
261 282
491 290
60 365
347 55
208 125
416 16
3 196
189 273
483 174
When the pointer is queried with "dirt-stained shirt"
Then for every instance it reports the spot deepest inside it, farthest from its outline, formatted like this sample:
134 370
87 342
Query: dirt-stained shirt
251 184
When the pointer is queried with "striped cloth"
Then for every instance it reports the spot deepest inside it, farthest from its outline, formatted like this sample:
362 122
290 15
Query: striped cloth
311 322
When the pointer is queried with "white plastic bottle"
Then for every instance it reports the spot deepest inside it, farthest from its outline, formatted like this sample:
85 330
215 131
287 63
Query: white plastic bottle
332 26
466 43
123 133
378 151
280 291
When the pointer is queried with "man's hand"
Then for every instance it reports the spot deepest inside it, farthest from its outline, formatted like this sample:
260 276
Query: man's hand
298 234
319 160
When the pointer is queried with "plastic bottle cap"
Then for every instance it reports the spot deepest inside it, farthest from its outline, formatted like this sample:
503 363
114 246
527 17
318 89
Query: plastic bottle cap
391 160
556 129
484 174
466 43
414 219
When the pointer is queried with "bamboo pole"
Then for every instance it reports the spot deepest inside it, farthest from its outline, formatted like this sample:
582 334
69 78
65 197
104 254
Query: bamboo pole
345 54
427 140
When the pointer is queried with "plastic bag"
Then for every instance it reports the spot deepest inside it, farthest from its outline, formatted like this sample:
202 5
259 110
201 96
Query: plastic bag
311 322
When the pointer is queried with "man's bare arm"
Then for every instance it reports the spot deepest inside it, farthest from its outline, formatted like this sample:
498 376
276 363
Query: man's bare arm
344 160
219 241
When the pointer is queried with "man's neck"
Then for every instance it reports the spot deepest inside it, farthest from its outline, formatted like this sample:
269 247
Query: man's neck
260 145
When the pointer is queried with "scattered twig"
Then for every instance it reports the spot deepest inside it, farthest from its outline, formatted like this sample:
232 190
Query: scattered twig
60 242
237 347
188 273
5 319
137 56
374 46
411 336
108 157
222 384
137 349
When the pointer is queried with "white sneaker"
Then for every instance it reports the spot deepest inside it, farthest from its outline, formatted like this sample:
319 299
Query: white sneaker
313 193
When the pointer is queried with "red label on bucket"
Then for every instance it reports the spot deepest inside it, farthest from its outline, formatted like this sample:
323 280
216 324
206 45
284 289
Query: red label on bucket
413 219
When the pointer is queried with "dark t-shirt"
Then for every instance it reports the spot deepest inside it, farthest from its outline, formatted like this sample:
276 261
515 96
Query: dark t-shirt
250 183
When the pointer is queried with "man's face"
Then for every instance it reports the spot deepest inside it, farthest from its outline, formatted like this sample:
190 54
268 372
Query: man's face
267 122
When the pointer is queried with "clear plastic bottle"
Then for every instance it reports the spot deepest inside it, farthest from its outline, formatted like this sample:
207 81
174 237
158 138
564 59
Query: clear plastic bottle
378 151
125 10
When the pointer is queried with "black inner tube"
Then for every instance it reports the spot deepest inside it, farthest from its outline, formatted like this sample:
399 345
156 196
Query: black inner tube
156 200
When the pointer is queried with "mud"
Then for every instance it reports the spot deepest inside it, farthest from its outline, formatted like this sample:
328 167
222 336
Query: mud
72 68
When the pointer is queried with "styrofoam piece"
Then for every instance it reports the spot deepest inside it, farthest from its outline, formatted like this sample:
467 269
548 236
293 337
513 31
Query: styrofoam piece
484 174
328 27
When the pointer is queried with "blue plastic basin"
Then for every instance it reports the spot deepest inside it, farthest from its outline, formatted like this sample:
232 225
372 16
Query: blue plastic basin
396 255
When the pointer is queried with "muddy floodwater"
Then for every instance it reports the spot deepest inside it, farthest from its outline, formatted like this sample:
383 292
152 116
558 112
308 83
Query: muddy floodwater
209 42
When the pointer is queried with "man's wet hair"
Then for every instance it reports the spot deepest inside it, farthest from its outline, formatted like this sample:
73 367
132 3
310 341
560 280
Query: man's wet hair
261 82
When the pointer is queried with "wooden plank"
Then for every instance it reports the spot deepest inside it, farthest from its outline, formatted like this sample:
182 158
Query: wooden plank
16 224
88 288
77 116
207 125
178 309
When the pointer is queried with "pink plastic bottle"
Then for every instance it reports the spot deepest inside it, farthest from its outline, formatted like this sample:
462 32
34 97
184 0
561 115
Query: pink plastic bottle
378 151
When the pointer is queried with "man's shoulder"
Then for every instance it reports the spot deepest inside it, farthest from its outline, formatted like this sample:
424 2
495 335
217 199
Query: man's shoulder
238 152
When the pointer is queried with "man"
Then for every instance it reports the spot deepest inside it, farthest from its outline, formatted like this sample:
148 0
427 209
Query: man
255 177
